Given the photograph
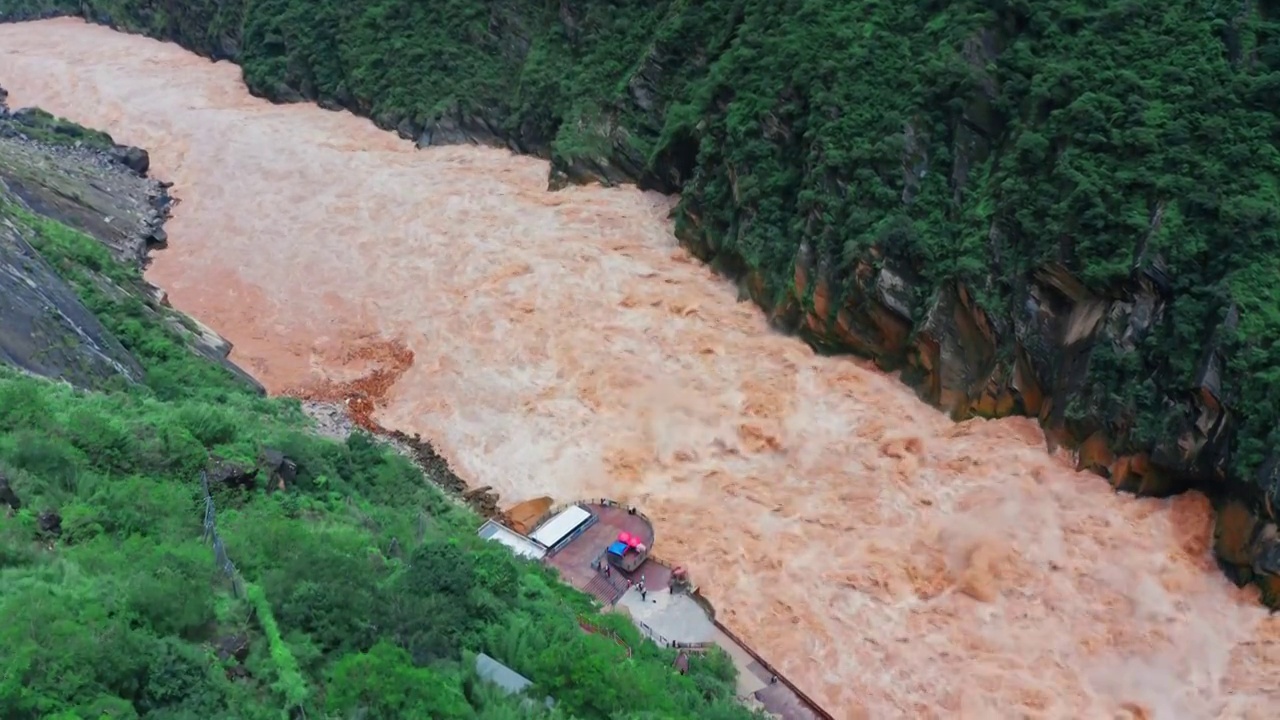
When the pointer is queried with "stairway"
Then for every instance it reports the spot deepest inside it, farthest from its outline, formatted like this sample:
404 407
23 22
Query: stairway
602 589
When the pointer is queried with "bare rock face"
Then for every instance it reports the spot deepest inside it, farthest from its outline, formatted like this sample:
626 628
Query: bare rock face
1246 534
44 328
49 523
455 127
281 470
228 474
80 178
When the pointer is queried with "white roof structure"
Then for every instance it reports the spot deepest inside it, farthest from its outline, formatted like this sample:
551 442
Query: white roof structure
561 526
518 543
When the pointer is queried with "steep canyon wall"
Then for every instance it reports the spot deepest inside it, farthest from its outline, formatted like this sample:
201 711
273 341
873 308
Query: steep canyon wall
1063 210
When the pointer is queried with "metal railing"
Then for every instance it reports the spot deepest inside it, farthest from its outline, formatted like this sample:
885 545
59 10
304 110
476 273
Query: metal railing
220 557
812 705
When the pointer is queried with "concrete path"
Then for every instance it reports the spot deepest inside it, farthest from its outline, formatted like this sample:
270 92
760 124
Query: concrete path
665 617
748 682
678 618
669 617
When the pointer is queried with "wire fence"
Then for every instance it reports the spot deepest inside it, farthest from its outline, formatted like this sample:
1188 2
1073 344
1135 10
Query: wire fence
228 568
220 557
652 634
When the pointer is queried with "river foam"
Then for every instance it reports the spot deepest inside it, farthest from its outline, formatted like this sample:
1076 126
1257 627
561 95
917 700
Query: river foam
893 563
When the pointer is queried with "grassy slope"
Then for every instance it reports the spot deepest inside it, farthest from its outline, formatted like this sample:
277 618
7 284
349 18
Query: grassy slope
365 587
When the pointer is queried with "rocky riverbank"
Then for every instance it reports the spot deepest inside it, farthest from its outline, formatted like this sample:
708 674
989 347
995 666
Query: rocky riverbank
56 170
334 420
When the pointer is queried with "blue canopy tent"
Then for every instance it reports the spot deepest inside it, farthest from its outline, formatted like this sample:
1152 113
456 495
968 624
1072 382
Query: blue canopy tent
627 555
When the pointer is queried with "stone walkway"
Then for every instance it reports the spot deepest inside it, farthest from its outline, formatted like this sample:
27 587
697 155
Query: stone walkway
667 617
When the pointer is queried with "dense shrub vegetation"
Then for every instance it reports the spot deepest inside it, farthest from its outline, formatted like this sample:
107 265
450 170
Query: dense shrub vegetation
362 591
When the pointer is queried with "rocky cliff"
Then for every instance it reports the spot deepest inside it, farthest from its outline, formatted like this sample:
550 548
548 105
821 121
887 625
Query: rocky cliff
1059 209
65 304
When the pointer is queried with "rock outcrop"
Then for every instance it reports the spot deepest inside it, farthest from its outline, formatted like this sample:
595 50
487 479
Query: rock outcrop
281 470
54 169
223 473
49 524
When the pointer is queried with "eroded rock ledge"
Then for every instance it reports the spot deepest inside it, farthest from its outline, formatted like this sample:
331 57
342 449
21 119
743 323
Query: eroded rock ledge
55 170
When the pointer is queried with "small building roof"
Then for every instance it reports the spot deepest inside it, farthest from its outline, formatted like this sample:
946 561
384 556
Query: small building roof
501 675
518 543
504 677
561 526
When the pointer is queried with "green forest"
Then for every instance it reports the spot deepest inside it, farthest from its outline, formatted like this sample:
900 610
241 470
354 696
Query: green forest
966 145
358 591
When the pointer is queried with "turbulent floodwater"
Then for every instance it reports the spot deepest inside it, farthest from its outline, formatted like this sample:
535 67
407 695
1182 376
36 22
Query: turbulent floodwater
893 563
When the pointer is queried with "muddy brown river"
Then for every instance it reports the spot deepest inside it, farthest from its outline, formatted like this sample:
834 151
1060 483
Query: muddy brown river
893 563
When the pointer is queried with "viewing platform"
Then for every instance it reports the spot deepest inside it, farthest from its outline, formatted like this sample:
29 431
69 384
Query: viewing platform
579 561
576 540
